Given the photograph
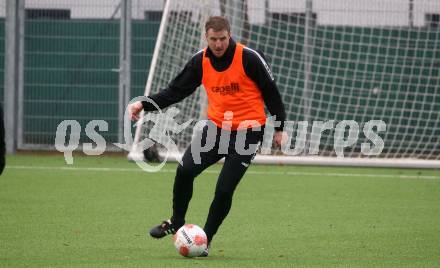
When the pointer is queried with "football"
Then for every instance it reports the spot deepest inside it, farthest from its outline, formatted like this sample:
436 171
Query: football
190 240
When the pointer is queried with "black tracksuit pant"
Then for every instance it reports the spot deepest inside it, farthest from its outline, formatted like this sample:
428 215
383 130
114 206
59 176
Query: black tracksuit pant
234 167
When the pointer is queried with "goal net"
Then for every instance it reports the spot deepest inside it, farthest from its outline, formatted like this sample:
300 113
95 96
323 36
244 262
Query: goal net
339 65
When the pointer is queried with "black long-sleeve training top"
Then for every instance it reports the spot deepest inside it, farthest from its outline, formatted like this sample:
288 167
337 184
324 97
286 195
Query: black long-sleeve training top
190 78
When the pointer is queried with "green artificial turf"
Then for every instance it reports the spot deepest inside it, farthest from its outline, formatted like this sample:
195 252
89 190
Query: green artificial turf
97 213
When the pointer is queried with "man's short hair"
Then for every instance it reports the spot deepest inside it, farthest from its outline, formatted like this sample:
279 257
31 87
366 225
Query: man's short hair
217 23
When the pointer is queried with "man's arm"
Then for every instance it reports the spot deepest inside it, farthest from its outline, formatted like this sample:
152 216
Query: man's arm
183 85
257 69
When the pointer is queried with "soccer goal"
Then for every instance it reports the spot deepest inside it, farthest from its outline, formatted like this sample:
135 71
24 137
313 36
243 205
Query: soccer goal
339 66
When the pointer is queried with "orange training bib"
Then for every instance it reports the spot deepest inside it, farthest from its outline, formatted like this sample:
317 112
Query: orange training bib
232 90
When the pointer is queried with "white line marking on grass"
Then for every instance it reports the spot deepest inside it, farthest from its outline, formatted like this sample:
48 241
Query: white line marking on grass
254 172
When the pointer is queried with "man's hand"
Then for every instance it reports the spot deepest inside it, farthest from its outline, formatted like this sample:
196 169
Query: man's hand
134 109
280 137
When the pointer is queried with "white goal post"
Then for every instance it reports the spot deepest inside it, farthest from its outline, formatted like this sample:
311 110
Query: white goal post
333 61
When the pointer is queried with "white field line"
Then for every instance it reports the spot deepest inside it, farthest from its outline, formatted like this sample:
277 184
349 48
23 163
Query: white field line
254 172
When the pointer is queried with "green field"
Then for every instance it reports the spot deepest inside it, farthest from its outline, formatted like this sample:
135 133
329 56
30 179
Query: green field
97 213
